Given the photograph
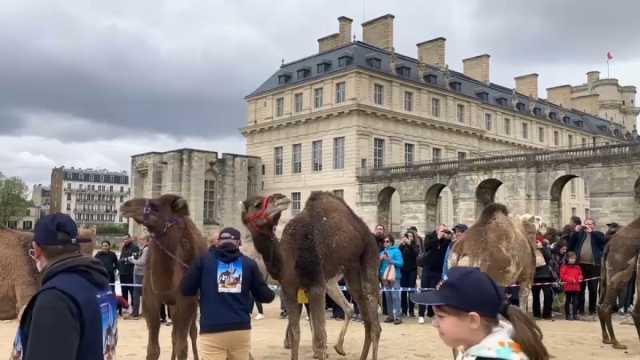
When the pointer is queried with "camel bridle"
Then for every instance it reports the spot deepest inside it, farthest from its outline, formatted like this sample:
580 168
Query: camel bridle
260 215
146 211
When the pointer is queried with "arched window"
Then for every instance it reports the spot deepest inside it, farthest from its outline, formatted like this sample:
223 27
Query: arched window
209 212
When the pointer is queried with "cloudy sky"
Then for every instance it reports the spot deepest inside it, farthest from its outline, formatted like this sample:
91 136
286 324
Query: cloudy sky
89 83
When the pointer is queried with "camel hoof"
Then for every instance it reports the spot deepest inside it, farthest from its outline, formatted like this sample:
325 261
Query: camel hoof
619 346
607 341
339 350
287 345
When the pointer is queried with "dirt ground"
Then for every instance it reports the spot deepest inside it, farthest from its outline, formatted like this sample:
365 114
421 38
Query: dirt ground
565 340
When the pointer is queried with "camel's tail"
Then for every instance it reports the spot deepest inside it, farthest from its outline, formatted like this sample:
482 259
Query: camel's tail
603 275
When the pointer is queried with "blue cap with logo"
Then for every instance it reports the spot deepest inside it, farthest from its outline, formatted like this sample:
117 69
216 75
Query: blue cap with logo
56 229
467 289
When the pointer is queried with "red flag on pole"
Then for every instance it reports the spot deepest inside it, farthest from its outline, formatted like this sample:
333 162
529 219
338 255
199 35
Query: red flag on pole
609 55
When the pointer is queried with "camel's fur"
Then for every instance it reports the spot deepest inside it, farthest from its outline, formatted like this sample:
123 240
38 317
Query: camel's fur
163 274
620 260
501 247
324 240
18 273
19 278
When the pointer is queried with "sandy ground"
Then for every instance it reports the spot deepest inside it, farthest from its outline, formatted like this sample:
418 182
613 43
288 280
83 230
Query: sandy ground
565 340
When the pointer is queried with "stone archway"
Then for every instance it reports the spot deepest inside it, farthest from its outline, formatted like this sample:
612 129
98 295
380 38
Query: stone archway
432 199
556 198
389 209
486 193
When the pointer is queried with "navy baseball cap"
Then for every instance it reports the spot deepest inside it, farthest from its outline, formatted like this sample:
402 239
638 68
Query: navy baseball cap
460 228
467 289
229 233
56 229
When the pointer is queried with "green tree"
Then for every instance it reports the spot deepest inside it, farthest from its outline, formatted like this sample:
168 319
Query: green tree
13 199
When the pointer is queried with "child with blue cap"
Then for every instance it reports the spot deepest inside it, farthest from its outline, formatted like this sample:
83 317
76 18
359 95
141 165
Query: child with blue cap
473 318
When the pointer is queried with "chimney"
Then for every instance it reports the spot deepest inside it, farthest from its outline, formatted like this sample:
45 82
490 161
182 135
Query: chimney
593 76
379 32
527 85
477 67
336 40
560 95
345 30
431 52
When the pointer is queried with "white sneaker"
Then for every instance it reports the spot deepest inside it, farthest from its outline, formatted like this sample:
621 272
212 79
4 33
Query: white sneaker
259 316
421 320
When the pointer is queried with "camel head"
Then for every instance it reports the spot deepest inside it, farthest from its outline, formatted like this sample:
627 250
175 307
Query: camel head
262 214
159 214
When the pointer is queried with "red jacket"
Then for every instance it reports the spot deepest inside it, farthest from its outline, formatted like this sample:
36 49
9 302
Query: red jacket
571 276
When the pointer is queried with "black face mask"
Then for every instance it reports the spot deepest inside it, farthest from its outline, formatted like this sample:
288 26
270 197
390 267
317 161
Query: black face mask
227 251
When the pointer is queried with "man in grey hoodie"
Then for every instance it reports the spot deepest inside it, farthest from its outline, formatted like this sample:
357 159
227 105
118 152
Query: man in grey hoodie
138 274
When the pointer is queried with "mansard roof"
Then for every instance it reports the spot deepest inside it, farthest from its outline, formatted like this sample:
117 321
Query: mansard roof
362 54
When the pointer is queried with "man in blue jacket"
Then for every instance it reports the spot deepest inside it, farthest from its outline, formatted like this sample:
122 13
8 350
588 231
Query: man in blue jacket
588 245
74 314
228 282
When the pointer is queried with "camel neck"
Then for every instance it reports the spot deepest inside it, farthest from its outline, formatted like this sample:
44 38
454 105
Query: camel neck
269 247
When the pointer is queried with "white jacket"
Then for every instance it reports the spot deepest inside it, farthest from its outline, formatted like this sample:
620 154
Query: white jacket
497 345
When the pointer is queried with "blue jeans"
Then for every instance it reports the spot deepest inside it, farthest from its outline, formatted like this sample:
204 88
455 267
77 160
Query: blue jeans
393 300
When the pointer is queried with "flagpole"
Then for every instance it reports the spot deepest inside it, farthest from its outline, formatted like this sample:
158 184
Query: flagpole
608 72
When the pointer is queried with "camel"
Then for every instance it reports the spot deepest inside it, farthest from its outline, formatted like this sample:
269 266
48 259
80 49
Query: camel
501 247
620 260
19 278
327 238
175 244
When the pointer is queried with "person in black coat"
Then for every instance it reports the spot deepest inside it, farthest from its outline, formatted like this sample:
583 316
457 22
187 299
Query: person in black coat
588 245
409 249
109 260
125 268
544 274
432 260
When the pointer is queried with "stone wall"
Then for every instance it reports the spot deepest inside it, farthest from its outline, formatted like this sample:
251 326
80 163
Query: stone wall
183 172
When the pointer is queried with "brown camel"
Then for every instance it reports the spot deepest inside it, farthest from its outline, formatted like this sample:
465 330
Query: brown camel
620 260
19 278
324 240
18 273
501 247
175 244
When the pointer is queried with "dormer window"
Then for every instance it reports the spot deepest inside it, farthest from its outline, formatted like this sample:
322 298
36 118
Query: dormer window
483 96
303 73
579 123
566 120
602 128
502 101
456 86
403 71
537 111
553 115
284 78
374 62
323 67
345 60
616 132
521 107
431 79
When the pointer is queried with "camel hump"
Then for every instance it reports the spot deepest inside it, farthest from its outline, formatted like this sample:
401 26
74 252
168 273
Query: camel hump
490 212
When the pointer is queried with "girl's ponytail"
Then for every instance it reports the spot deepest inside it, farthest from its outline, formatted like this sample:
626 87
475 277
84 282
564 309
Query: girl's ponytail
526 333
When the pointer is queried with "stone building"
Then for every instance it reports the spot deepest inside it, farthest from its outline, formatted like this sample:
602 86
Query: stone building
90 197
213 185
605 98
26 222
356 105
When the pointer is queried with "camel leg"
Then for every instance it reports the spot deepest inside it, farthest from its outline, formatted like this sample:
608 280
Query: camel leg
151 312
193 334
337 296
317 305
636 308
364 290
293 323
525 290
182 320
612 285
